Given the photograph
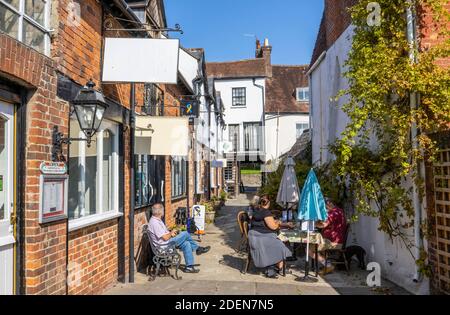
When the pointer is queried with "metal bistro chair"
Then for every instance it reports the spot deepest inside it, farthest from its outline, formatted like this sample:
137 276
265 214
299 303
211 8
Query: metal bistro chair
162 257
337 256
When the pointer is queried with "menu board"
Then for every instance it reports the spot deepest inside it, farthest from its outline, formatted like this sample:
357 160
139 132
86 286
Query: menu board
53 202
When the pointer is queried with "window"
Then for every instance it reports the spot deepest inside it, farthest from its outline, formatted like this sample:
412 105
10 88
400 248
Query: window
303 94
229 171
149 188
234 137
301 129
239 97
178 177
93 173
27 21
252 137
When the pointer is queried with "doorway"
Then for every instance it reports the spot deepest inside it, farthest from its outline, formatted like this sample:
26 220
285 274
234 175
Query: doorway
7 239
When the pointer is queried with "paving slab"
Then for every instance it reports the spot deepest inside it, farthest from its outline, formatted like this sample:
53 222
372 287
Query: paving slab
220 270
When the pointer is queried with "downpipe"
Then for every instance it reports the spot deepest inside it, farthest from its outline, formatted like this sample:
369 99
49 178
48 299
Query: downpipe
417 202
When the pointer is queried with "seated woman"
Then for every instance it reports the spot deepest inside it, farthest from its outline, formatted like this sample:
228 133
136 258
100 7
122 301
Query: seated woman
333 232
266 249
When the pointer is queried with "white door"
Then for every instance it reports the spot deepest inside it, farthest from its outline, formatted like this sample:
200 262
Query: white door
6 198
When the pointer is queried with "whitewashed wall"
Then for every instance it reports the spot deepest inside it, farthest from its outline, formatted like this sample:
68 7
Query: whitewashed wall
328 122
252 112
285 135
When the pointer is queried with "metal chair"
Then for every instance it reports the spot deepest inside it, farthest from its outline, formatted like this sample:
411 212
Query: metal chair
163 257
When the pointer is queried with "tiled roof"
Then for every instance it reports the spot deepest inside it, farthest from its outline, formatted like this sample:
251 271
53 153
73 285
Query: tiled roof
281 89
237 69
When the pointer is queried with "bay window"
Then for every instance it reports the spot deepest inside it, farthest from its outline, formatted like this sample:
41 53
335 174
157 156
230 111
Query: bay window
93 175
27 21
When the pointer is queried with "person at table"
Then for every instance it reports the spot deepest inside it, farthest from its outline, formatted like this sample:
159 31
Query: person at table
266 249
254 204
333 233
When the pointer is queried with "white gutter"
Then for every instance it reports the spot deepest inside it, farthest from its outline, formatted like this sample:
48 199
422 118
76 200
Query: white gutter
417 202
309 74
317 63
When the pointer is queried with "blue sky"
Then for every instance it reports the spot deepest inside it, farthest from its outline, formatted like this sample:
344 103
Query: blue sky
225 28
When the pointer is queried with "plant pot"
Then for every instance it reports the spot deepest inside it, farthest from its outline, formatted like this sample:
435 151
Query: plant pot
210 217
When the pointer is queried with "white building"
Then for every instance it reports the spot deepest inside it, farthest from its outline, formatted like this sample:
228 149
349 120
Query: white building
328 122
266 107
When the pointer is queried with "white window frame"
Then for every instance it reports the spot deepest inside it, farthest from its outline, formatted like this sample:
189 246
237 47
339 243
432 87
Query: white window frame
296 128
101 216
302 90
24 17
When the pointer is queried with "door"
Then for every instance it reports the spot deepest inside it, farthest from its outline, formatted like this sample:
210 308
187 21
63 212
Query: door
6 198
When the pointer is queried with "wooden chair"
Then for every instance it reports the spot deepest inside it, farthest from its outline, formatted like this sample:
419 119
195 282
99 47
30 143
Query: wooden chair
243 218
336 255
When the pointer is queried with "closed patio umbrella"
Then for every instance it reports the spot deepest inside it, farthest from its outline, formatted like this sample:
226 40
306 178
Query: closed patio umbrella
312 206
288 193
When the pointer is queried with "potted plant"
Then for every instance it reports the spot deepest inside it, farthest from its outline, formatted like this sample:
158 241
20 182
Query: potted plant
223 196
210 213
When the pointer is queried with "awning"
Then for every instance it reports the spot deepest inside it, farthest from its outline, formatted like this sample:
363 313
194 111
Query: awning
162 136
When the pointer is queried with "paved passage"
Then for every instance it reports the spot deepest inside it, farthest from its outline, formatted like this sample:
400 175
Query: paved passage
220 271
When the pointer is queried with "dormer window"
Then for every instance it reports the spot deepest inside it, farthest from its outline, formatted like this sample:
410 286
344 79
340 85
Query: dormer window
302 94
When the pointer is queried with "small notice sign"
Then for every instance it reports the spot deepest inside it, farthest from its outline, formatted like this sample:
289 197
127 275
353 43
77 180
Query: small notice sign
53 168
199 218
53 198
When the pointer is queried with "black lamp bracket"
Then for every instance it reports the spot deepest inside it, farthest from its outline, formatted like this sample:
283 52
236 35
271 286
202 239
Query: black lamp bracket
58 140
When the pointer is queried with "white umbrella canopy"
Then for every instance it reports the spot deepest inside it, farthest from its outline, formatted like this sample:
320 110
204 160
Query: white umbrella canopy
288 193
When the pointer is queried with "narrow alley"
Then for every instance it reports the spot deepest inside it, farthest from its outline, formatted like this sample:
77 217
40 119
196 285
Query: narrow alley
221 271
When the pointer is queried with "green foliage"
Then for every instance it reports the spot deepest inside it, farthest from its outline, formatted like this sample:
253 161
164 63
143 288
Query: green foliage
223 196
382 78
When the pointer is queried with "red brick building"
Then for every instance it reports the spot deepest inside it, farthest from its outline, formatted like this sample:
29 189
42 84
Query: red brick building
48 52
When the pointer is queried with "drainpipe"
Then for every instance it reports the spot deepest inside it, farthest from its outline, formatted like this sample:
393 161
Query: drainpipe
412 40
263 128
132 182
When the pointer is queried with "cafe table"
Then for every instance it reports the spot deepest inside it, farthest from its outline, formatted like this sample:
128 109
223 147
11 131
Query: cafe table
301 237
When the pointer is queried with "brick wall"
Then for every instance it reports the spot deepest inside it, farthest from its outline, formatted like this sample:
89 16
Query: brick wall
44 244
93 259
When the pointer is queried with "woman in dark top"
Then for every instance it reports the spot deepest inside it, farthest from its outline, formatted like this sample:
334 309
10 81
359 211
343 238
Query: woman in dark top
266 249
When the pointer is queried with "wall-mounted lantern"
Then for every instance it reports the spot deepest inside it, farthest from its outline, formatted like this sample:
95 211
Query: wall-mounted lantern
89 106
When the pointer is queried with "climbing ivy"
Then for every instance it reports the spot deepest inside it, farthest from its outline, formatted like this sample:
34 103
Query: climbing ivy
375 154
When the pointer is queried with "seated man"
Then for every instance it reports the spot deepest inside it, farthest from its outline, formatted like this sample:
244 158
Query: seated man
333 232
162 237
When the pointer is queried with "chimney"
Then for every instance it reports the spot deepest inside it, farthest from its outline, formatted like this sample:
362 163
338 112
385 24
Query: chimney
266 53
258 49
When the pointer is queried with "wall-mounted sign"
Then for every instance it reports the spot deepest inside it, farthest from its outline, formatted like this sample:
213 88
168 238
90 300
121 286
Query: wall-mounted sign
141 60
226 146
219 163
53 168
53 198
190 108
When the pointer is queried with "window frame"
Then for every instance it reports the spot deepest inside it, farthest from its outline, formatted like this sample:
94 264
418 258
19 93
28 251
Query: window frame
114 212
237 146
24 17
235 97
176 191
296 129
304 90
260 141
